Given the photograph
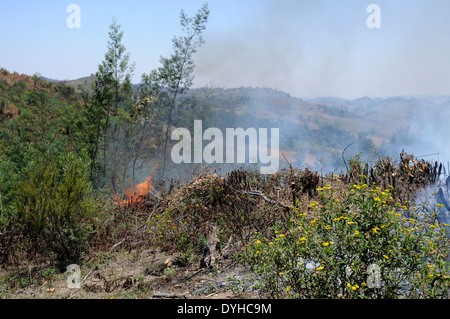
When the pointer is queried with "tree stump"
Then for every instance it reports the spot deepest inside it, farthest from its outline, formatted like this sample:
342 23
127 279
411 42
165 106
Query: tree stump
211 252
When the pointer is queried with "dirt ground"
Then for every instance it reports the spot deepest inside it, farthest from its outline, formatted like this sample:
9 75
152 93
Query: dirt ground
144 274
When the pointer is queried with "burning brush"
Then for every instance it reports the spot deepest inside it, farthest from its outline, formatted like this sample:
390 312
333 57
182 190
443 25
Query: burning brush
137 194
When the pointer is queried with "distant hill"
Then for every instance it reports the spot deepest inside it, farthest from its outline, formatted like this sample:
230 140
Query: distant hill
84 81
311 130
319 129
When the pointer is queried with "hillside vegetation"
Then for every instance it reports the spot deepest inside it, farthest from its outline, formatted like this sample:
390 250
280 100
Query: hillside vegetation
86 179
53 216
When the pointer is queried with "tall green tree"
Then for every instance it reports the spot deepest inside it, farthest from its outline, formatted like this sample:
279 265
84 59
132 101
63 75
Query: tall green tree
175 75
112 91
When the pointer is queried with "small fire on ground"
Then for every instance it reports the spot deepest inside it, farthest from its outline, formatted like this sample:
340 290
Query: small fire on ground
137 194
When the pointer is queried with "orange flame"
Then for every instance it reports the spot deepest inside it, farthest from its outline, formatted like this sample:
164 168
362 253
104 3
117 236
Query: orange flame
137 193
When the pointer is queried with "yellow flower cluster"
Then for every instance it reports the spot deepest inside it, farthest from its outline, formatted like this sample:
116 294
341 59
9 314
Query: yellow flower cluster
411 229
313 204
354 288
339 218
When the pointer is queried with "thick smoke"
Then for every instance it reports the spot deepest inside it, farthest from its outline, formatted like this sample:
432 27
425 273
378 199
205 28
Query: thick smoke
324 48
276 49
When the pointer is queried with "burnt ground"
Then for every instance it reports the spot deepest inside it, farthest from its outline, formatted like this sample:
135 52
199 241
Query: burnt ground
143 274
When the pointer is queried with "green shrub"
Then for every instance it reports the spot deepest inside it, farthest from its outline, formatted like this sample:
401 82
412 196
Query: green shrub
54 209
354 242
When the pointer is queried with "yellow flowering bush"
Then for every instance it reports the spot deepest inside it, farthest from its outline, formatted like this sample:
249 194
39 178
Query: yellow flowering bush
359 243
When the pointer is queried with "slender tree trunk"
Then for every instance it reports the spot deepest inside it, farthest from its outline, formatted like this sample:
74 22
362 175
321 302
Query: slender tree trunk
105 142
113 136
169 122
94 155
172 105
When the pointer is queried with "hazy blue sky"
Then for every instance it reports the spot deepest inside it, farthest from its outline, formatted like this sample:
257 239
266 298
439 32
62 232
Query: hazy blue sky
307 48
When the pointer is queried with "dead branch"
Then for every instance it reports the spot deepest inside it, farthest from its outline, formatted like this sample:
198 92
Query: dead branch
168 295
260 194
189 277
346 167
292 179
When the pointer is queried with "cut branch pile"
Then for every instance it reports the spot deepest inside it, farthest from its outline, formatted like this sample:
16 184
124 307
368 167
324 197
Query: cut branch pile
243 202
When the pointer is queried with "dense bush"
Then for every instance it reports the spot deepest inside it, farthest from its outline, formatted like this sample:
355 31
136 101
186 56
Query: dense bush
54 209
354 242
